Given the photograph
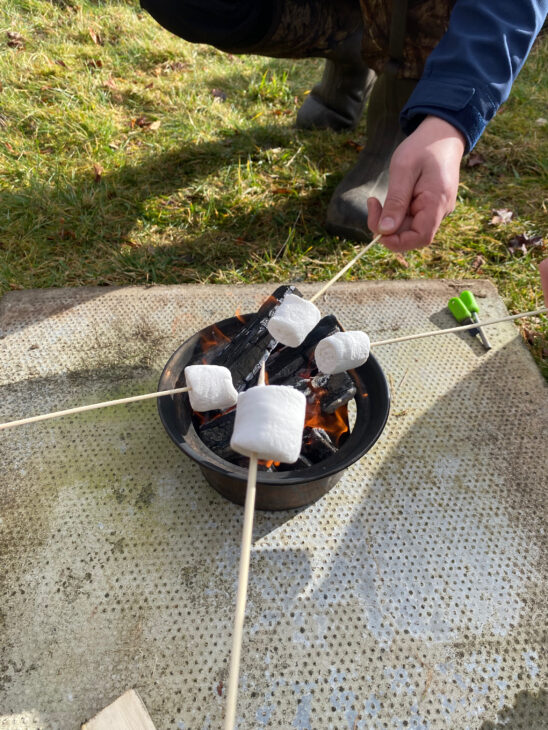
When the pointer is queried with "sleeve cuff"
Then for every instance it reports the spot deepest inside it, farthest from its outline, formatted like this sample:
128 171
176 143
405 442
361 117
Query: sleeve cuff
459 104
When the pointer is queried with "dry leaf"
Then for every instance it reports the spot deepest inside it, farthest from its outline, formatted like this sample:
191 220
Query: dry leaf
98 170
501 216
9 147
282 191
475 159
541 122
401 260
15 40
59 62
478 263
95 37
110 83
523 243
94 63
155 125
140 122
355 145
218 95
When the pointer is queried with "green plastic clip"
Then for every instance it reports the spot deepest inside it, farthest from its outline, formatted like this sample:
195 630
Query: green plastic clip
469 300
459 310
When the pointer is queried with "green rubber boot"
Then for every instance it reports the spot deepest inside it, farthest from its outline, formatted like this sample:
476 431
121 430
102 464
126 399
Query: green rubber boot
338 100
347 210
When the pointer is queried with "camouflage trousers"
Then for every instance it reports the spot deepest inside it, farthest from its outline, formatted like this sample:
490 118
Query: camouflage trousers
303 28
426 22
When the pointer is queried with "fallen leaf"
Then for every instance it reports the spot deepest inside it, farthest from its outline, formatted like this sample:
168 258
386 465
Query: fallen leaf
478 262
59 62
218 95
355 145
528 334
169 66
110 83
475 159
65 234
113 146
523 243
15 40
282 191
140 122
401 260
9 147
95 37
94 63
541 122
98 170
501 216
155 125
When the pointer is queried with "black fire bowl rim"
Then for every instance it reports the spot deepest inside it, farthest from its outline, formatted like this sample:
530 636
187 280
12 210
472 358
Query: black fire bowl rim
176 416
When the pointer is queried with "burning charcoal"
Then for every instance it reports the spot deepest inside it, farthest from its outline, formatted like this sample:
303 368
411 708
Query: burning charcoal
216 434
336 390
244 353
317 444
287 364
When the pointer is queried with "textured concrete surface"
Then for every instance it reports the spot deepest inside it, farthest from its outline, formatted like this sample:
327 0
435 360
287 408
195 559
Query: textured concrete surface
412 596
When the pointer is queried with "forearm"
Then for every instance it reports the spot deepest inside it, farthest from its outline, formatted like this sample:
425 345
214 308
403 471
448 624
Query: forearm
471 71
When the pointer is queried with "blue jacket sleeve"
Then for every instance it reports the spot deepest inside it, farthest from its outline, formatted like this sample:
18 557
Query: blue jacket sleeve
471 71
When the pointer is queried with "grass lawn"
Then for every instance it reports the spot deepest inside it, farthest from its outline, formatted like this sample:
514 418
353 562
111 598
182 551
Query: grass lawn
128 156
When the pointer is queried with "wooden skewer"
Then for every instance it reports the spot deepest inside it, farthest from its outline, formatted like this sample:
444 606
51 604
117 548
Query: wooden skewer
461 328
241 597
174 391
349 265
92 407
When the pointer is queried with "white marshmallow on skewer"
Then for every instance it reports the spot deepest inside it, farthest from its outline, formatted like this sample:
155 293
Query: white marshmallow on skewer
293 320
210 386
342 351
269 423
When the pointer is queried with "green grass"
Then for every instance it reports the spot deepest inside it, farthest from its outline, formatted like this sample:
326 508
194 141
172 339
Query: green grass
94 191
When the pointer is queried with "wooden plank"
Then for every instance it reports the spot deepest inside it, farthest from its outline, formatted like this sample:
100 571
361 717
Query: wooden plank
128 712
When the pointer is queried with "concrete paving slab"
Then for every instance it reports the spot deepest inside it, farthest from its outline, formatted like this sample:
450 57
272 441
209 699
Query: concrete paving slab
413 595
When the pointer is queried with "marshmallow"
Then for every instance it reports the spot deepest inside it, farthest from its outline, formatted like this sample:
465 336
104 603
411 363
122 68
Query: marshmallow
293 320
210 386
269 423
342 351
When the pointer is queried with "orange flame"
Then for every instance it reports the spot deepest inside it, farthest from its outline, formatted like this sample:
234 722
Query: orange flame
238 315
335 424
268 464
213 338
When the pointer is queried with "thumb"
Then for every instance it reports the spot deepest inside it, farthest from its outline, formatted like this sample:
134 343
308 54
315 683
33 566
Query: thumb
400 193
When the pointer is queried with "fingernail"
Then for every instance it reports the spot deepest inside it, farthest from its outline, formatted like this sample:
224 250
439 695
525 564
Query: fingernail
386 224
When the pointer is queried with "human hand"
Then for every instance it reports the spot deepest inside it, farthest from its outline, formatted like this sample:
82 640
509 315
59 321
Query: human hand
422 188
543 268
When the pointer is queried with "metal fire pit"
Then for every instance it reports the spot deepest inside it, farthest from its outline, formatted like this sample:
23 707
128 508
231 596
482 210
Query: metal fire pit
276 490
